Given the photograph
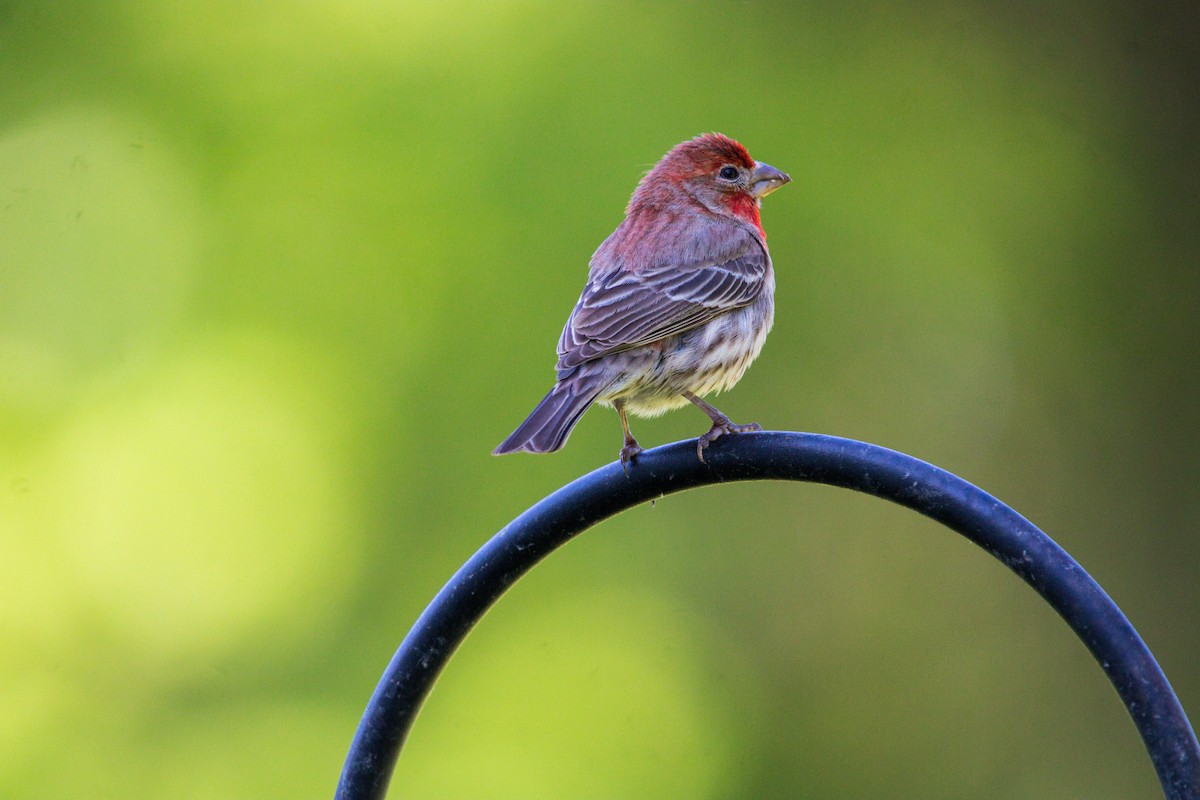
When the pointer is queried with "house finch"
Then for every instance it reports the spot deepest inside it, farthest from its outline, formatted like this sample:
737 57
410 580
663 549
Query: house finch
678 302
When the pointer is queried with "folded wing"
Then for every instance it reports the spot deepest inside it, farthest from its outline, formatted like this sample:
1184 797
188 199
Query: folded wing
630 308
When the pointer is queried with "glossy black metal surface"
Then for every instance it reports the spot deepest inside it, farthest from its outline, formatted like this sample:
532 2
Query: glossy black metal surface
884 473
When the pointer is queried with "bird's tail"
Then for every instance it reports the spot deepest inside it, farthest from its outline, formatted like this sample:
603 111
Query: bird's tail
546 429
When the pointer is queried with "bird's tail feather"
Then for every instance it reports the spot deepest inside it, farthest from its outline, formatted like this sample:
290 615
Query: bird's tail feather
546 429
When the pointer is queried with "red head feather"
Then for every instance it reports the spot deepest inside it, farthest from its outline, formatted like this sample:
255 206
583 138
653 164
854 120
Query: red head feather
700 157
704 154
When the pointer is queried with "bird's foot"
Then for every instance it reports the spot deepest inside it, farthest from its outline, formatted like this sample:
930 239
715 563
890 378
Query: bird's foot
629 452
718 430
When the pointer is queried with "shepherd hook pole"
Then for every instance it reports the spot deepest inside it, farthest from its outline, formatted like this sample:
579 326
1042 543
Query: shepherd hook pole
773 455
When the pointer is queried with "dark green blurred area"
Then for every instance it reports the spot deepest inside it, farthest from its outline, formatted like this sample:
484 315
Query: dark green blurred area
276 278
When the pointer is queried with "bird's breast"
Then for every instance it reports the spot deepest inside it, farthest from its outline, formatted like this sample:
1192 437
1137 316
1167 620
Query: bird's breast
708 359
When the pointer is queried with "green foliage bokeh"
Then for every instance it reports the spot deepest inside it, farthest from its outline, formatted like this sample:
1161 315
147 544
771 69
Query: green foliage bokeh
275 278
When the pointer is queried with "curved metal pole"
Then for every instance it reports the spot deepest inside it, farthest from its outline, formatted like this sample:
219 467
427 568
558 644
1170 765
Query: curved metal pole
995 527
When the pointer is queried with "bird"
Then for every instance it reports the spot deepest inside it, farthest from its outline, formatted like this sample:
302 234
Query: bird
678 301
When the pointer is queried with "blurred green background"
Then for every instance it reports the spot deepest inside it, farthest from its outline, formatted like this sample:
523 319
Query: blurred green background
275 278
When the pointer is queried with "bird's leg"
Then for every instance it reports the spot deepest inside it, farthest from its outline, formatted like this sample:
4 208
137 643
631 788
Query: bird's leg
631 448
721 424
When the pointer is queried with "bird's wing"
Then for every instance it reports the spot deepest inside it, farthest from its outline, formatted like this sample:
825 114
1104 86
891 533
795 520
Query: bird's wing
625 309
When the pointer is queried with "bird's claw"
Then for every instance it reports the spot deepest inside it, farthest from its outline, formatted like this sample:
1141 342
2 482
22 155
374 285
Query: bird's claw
629 452
718 430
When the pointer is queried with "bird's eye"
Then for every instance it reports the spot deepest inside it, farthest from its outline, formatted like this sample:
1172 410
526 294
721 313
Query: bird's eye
728 173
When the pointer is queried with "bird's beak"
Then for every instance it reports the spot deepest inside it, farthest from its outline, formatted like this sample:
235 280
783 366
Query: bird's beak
766 179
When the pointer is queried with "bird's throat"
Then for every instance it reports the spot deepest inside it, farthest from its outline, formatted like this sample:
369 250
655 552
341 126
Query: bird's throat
745 207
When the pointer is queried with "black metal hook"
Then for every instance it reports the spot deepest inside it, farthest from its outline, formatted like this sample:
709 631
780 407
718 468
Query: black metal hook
773 455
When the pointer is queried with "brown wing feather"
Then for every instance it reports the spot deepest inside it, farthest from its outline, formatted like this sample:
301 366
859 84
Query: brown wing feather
625 309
